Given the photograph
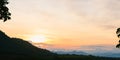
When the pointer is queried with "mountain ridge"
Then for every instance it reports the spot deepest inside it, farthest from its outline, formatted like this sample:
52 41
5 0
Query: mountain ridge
19 49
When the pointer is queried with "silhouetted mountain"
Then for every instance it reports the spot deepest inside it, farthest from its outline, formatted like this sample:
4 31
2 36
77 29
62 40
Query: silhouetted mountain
18 49
16 46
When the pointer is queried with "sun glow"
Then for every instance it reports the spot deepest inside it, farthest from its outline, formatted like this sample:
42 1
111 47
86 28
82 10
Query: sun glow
38 39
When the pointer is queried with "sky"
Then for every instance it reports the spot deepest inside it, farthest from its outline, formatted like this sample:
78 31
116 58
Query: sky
65 24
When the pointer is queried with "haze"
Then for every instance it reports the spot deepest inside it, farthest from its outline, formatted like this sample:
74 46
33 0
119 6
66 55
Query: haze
65 23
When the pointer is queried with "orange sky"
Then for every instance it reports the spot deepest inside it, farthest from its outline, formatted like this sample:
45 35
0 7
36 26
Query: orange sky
65 22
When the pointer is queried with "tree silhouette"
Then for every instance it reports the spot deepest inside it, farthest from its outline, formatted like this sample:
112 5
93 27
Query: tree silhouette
4 10
118 35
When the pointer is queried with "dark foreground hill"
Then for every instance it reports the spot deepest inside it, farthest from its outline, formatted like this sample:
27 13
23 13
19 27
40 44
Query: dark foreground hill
18 49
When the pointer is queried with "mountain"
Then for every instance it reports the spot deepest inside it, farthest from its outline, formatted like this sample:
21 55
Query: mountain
16 47
71 52
107 54
19 49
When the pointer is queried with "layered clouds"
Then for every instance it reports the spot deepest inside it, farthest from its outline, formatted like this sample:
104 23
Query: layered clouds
65 22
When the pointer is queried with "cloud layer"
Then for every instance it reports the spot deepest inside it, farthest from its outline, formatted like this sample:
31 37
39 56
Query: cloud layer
65 22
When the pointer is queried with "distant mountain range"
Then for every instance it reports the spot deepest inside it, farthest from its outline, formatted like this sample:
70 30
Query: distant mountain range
107 54
19 49
71 52
102 54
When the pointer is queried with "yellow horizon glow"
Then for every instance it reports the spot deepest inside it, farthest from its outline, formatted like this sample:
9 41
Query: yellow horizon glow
37 39
64 23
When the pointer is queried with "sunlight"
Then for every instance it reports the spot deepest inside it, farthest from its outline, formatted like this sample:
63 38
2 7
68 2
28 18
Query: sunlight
37 39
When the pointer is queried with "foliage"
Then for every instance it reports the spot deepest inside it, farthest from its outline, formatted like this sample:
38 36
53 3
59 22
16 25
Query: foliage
4 11
118 35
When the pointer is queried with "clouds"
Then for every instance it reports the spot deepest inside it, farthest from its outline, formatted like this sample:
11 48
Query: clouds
70 12
97 50
78 21
97 12
82 20
96 8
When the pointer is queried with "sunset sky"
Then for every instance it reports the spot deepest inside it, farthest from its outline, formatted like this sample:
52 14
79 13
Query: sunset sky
64 23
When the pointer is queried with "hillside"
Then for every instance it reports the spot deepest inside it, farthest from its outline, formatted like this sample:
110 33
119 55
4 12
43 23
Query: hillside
19 49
